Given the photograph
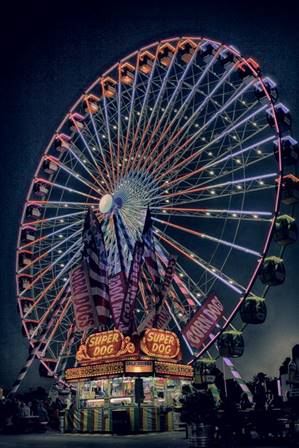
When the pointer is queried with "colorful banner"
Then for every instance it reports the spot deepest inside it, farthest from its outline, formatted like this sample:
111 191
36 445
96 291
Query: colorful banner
203 321
94 254
117 290
161 308
84 309
125 322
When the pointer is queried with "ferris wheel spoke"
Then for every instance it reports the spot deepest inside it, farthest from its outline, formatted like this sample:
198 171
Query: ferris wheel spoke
66 204
238 192
51 265
209 237
226 280
111 146
170 105
107 179
185 128
240 165
154 108
209 213
68 189
221 159
181 150
48 311
77 154
205 126
221 185
73 173
130 114
190 96
41 296
55 232
49 251
87 146
66 346
185 288
52 218
175 172
64 310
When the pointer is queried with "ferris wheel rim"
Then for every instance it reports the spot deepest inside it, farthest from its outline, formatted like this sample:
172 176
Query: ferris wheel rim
279 174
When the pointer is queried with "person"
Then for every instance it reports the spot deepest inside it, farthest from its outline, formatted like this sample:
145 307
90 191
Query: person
24 410
244 402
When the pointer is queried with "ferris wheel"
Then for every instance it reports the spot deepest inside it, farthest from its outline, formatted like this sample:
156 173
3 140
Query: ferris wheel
190 129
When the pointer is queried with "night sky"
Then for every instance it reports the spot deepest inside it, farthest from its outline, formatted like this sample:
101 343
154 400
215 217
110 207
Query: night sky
51 53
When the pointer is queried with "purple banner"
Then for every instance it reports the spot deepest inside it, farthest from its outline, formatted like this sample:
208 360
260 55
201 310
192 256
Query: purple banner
125 322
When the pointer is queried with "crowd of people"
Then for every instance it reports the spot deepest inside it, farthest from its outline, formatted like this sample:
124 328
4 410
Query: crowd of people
28 412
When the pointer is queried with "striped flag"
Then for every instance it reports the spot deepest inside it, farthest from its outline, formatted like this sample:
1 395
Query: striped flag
150 257
94 254
126 322
168 276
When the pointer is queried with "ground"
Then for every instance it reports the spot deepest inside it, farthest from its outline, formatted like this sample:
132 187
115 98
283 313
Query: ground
49 440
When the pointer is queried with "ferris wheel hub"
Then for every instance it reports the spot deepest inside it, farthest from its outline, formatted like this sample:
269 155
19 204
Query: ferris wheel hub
106 203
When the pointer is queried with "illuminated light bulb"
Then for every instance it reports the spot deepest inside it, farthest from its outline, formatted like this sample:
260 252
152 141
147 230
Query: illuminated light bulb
213 192
238 161
181 274
211 172
208 213
164 211
255 216
234 215
259 151
210 153
239 187
61 220
261 182
61 236
62 265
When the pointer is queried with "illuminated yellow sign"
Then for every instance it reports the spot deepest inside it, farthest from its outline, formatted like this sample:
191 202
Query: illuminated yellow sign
92 371
173 369
139 366
160 344
105 345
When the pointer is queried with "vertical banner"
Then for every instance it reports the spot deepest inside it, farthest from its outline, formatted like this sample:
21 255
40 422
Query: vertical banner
94 254
125 322
84 309
203 321
160 307
117 291
150 256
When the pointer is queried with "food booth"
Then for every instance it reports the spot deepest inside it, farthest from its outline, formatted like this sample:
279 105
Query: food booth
127 383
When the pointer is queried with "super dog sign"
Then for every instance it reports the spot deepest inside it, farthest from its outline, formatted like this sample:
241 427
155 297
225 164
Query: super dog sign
160 343
105 345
